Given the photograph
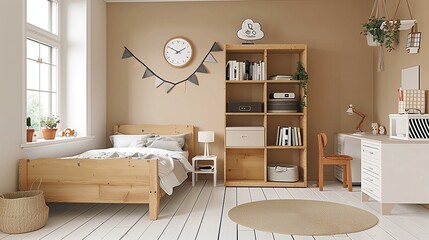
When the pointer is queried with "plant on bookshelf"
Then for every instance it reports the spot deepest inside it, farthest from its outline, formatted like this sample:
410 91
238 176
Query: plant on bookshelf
302 75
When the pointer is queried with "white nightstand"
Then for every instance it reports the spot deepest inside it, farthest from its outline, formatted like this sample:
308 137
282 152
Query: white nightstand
196 171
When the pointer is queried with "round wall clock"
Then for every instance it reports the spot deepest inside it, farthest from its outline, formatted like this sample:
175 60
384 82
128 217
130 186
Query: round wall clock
178 52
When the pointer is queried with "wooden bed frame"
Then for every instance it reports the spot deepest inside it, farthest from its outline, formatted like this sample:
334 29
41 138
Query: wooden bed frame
116 180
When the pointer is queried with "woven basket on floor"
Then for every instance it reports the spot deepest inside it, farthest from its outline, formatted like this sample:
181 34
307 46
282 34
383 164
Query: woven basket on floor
23 211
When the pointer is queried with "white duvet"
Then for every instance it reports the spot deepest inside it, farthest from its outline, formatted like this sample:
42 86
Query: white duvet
172 165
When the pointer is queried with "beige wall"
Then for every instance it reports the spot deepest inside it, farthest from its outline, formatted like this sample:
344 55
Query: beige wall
387 82
339 62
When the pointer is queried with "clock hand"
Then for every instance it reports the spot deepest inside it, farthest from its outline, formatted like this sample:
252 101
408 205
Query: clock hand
174 49
180 50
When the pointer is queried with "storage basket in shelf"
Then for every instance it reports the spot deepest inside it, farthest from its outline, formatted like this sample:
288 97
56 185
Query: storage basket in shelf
412 101
23 211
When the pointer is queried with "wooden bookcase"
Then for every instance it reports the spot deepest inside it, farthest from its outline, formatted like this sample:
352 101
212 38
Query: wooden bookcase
247 166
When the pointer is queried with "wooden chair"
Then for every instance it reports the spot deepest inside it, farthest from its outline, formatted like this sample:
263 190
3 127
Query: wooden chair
343 160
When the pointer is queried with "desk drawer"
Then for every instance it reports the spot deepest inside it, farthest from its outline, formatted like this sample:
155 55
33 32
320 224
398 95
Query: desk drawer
370 190
371 166
371 149
369 177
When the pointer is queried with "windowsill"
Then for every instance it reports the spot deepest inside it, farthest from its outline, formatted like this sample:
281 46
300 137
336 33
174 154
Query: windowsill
57 140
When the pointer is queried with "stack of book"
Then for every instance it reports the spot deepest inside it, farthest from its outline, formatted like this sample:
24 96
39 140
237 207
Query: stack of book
205 168
246 70
288 136
281 77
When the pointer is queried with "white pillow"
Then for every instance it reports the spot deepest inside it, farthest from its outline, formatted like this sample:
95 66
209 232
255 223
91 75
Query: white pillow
129 141
169 142
170 145
179 138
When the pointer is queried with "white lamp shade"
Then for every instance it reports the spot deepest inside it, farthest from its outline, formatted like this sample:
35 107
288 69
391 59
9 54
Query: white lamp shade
205 136
350 110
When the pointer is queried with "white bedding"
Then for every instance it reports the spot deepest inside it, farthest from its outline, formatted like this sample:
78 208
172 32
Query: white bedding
172 165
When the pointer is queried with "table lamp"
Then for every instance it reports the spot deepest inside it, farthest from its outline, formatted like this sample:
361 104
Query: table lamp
206 137
352 110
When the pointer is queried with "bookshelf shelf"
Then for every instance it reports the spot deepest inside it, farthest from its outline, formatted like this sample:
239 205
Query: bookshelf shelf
285 147
247 166
245 81
285 114
244 114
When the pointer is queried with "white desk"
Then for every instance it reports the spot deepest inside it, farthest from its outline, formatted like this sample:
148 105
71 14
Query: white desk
394 171
347 144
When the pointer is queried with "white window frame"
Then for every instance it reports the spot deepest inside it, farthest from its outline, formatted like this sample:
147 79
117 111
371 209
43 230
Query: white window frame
64 98
45 37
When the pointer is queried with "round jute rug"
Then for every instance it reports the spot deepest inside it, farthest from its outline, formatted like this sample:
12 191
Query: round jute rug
302 217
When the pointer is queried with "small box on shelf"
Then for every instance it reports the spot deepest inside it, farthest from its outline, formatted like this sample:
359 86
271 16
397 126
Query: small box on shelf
245 136
409 126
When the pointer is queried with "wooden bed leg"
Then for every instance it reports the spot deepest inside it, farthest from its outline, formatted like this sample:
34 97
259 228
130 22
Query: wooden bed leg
154 194
23 174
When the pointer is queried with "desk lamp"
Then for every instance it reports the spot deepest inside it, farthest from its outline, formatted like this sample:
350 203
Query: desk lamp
351 110
206 137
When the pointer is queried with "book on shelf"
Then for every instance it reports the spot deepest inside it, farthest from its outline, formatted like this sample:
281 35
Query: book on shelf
246 70
281 77
288 136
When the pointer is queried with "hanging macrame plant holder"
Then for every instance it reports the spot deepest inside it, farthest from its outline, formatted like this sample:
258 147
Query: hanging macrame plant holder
391 26
379 12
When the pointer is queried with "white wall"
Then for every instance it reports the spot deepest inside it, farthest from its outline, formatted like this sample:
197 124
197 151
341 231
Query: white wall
12 75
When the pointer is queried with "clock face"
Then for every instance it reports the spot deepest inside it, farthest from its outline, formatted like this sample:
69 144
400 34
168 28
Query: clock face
178 52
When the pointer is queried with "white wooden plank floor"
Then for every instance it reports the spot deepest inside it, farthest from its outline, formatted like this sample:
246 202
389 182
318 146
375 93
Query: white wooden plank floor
201 212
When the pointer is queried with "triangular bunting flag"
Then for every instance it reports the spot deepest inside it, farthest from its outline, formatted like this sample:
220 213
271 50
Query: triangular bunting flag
147 73
202 69
216 47
210 58
158 82
193 79
168 87
126 54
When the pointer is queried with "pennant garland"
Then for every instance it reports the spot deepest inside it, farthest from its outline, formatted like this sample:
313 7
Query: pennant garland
168 85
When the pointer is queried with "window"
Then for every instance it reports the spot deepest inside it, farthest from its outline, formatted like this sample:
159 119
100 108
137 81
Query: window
42 60
43 14
56 64
42 81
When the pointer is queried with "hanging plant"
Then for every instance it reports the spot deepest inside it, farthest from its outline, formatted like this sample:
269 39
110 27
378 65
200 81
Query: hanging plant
372 28
391 34
385 33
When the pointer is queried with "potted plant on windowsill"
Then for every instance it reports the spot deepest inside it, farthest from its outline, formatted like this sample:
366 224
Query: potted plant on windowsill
49 127
30 131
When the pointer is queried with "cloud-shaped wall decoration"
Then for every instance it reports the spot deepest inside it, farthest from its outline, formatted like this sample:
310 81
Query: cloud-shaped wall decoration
250 30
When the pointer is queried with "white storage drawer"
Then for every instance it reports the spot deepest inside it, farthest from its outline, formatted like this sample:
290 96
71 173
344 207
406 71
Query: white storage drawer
371 166
245 137
371 190
371 169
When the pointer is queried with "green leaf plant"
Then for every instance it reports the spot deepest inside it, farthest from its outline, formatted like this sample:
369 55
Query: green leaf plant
386 34
302 75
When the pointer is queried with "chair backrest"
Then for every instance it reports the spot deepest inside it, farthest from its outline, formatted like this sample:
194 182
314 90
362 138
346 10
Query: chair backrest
322 140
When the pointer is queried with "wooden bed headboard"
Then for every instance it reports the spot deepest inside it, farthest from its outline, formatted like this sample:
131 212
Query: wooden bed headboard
160 129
